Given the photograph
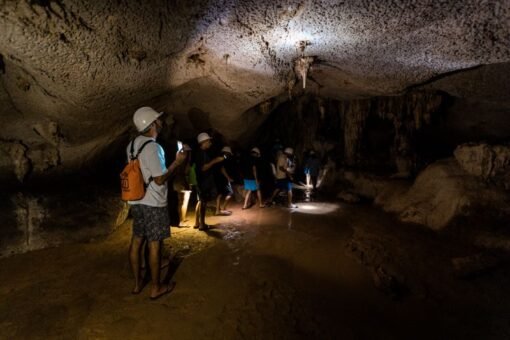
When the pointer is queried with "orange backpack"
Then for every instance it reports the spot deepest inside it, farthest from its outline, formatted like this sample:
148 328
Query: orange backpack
132 184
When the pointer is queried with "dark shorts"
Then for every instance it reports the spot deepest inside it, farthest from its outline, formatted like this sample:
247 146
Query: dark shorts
152 223
225 189
284 184
250 185
207 192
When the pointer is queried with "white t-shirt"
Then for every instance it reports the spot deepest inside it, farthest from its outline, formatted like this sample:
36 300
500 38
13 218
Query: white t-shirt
152 164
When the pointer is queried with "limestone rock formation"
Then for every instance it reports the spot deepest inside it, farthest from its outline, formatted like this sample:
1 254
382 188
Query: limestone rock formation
87 66
441 194
485 161
381 78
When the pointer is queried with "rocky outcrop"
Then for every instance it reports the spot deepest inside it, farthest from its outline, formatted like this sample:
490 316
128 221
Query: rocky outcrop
33 221
440 195
485 161
87 66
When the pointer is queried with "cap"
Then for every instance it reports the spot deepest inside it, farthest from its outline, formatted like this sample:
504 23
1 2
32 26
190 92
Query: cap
203 137
289 151
226 149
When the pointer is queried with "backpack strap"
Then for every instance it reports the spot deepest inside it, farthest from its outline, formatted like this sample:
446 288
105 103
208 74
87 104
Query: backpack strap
132 149
132 152
141 147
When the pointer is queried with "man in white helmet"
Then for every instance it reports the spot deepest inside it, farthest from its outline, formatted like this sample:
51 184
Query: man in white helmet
284 175
150 214
206 184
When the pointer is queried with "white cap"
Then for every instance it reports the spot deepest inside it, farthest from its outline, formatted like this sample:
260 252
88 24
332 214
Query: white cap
203 137
256 150
288 151
226 149
144 117
186 147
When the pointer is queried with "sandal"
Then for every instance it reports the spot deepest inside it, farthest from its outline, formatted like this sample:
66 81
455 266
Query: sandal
204 227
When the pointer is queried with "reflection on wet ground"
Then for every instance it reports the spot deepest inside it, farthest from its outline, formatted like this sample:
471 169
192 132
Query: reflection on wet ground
321 271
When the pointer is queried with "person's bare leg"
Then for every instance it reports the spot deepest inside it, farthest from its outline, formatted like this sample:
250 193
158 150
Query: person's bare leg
275 192
259 197
218 203
246 199
185 202
225 203
203 210
289 197
180 200
155 260
134 261
197 214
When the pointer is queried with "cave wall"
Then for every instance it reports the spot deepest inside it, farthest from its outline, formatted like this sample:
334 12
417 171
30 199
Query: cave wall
379 134
72 72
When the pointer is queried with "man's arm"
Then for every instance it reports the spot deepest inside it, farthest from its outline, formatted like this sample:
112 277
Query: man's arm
212 163
179 159
254 169
224 172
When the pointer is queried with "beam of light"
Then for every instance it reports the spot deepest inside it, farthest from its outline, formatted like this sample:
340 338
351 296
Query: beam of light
185 202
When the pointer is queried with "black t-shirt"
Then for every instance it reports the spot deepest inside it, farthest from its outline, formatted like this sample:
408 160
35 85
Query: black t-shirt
205 179
248 165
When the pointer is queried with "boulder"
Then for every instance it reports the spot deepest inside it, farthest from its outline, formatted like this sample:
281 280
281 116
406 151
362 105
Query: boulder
348 197
444 192
485 161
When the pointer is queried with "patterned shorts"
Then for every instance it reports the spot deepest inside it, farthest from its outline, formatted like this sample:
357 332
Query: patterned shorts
152 223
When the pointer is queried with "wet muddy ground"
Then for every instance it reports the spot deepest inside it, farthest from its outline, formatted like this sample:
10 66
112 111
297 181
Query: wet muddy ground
322 271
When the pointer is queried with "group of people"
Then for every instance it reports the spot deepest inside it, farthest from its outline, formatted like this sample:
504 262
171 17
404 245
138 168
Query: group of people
198 168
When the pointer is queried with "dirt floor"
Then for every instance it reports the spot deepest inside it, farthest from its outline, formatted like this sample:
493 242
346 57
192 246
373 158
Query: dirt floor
322 271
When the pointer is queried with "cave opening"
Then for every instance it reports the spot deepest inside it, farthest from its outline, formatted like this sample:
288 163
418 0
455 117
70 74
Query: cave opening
272 169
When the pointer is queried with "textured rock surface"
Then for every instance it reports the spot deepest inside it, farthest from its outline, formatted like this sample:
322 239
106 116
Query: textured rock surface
40 220
485 161
441 194
73 71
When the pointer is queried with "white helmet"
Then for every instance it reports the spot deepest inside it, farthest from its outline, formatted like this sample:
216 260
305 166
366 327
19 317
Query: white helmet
144 117
227 149
289 151
203 137
256 150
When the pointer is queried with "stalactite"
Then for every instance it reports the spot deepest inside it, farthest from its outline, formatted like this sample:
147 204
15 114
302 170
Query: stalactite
409 114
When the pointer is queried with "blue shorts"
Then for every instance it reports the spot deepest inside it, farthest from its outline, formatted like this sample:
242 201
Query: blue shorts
250 185
284 184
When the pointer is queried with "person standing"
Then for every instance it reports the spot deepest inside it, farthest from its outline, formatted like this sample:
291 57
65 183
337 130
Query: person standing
206 185
251 173
284 176
151 221
224 183
181 184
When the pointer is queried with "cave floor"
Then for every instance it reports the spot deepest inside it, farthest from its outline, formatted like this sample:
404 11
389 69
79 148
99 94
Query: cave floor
261 274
